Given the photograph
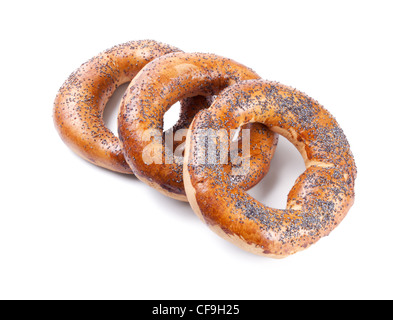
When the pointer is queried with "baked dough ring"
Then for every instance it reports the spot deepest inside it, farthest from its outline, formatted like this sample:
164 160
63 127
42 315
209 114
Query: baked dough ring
155 89
321 196
80 102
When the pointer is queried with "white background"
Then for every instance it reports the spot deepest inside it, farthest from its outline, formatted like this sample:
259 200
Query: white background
70 230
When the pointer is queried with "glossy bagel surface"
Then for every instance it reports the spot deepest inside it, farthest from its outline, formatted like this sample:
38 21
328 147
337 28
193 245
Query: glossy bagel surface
80 102
321 196
159 85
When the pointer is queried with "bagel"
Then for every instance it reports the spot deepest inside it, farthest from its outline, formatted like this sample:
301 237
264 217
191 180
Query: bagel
321 196
80 102
155 89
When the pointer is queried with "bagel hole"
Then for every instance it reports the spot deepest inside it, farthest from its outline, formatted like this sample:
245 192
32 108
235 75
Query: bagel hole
286 166
171 117
112 108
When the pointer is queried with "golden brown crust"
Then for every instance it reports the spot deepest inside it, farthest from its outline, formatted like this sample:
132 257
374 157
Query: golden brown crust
156 88
321 196
80 102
